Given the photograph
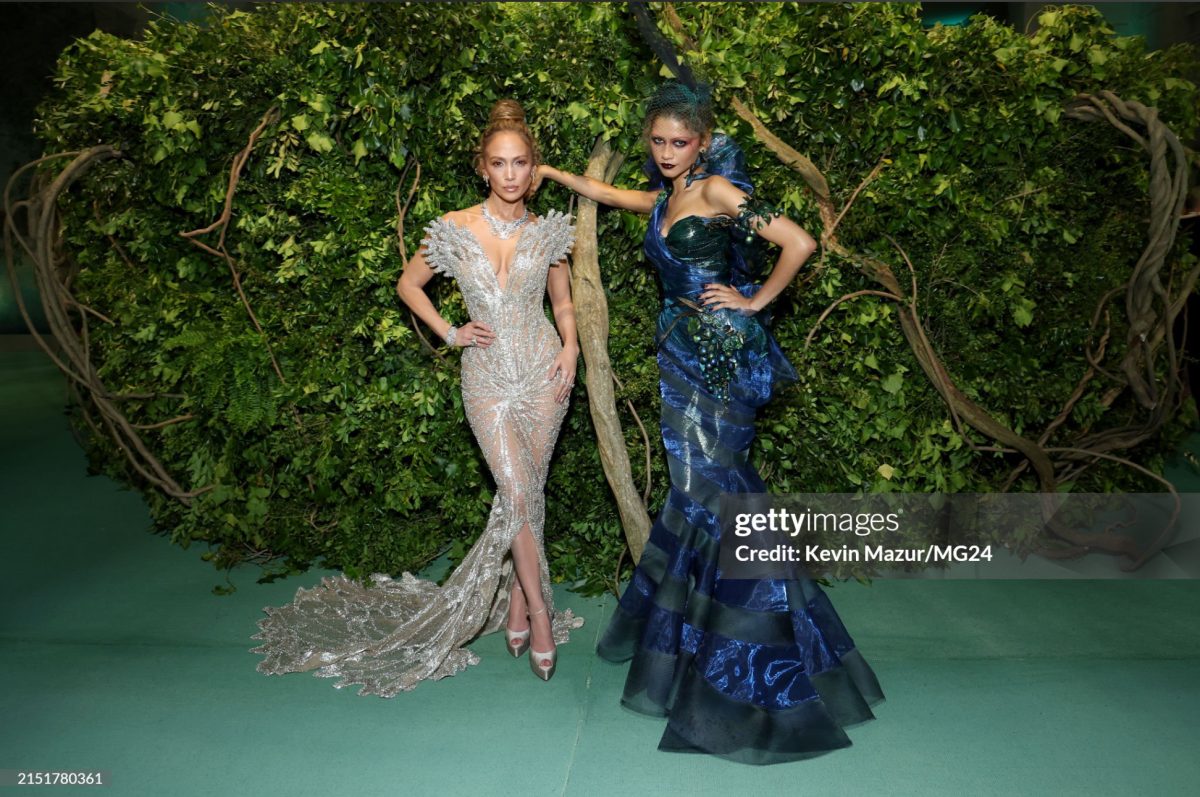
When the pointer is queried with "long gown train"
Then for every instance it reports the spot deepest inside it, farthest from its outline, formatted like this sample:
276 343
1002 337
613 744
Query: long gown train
390 635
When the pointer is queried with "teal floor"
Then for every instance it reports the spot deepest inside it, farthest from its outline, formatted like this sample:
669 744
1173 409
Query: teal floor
115 655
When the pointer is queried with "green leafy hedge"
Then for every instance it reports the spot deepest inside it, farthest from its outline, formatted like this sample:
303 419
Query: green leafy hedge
1016 219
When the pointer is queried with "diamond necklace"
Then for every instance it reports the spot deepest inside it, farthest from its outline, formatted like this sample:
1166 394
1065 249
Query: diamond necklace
503 229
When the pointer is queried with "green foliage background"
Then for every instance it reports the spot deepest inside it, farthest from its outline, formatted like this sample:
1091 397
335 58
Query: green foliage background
1016 219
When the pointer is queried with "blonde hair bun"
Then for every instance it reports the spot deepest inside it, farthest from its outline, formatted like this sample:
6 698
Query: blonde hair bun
506 111
507 116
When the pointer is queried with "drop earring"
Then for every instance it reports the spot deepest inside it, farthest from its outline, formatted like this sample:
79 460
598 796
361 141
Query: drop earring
701 158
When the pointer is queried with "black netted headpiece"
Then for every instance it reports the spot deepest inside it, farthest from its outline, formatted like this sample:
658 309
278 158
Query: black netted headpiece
692 106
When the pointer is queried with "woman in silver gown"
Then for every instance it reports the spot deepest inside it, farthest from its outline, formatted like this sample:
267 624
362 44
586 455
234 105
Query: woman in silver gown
516 378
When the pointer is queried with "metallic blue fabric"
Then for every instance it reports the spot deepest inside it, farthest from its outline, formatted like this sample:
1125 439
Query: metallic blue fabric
728 649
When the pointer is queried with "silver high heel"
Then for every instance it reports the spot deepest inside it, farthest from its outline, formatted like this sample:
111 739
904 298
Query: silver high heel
545 672
518 641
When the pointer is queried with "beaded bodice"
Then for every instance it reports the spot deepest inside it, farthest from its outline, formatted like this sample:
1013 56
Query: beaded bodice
455 250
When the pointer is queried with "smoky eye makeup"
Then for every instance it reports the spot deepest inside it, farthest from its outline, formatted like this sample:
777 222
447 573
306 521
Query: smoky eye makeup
675 142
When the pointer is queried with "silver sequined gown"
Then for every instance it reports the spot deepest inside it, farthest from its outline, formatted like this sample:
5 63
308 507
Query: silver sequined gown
392 634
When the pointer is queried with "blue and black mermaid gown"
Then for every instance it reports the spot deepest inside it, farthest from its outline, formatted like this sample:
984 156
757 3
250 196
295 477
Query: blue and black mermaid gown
756 671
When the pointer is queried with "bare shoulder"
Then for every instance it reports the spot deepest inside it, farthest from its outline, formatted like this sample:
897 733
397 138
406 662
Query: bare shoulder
723 195
461 217
719 188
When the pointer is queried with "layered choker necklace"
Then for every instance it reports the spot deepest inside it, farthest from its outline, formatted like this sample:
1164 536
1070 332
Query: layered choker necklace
503 229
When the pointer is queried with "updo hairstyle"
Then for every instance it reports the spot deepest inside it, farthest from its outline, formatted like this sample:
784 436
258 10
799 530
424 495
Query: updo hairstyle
507 116
676 100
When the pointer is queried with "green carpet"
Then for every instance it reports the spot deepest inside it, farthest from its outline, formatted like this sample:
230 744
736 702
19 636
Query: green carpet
116 656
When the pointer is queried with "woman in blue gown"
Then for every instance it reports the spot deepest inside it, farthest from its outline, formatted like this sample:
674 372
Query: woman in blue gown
759 671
